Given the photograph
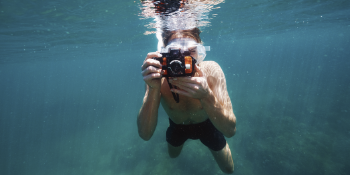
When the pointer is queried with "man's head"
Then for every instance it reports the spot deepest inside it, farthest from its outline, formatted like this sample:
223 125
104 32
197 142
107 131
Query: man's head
170 35
185 40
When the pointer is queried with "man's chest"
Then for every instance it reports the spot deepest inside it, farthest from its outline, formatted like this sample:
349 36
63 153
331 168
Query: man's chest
187 110
185 103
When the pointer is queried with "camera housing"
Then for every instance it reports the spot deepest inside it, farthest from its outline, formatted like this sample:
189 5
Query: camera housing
177 64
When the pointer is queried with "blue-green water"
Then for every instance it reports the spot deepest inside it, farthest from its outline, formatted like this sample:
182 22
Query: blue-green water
71 88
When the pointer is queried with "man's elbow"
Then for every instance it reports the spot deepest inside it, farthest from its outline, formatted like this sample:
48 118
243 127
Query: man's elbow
231 133
232 129
145 136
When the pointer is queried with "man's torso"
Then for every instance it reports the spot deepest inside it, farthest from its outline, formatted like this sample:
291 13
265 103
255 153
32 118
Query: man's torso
187 111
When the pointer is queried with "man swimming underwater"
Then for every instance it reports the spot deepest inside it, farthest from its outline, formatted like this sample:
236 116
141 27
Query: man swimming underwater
204 111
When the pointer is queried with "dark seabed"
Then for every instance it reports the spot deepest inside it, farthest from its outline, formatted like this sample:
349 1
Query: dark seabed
71 88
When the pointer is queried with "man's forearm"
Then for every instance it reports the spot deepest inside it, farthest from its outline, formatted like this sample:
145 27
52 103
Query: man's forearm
148 115
222 118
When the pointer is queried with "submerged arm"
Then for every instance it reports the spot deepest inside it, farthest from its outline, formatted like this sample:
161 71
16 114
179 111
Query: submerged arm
218 104
148 115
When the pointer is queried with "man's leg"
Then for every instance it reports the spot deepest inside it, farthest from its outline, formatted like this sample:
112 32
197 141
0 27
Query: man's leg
174 151
224 159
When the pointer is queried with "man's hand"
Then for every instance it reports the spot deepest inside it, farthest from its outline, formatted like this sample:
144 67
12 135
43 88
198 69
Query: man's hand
194 87
152 71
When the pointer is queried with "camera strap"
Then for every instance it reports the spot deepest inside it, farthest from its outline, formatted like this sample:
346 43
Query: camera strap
175 95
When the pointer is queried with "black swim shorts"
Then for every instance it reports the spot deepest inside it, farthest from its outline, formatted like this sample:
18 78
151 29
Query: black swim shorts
177 134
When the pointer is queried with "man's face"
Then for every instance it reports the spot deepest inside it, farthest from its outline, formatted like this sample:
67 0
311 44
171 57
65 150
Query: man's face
185 44
193 51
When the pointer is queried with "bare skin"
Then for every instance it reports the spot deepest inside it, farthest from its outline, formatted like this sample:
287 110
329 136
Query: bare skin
202 97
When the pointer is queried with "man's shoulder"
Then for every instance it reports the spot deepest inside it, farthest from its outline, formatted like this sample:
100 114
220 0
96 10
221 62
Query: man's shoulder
208 63
211 68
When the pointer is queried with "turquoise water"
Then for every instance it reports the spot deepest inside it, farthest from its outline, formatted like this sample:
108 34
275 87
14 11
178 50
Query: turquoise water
71 88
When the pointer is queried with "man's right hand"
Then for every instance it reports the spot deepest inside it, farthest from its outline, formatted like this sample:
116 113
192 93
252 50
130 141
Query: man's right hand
152 71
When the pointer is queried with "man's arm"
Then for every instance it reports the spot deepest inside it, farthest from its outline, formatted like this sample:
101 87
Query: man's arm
148 115
218 104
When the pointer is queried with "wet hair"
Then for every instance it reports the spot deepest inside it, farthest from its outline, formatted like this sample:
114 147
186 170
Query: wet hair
191 33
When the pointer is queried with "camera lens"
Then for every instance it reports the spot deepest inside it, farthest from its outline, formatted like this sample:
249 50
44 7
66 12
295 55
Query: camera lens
176 67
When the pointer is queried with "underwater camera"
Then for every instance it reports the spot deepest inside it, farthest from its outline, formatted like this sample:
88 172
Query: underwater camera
177 64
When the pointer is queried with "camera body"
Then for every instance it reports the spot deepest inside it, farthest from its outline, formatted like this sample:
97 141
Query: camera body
177 64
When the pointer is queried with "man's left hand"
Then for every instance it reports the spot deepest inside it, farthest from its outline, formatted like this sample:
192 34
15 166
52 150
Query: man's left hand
194 87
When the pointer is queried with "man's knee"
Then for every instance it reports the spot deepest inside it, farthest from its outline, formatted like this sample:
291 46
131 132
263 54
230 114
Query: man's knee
174 151
172 155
